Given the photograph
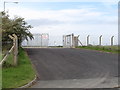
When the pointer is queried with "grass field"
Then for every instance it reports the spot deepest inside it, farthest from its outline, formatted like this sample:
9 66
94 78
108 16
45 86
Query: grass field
13 77
112 49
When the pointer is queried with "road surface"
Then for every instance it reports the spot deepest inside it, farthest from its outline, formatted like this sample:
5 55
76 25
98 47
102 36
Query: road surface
74 68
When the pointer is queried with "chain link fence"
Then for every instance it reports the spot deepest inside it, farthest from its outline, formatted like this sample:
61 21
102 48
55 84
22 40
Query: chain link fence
45 40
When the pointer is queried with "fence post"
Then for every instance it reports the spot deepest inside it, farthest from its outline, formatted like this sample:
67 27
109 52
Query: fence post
88 40
100 40
112 40
15 50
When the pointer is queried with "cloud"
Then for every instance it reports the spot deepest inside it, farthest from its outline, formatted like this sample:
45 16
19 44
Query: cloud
39 22
81 21
65 16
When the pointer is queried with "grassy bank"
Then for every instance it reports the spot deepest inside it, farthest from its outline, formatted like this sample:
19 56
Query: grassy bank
13 77
112 49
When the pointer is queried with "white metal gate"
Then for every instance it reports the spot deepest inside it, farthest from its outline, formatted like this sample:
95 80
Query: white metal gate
40 40
67 41
70 41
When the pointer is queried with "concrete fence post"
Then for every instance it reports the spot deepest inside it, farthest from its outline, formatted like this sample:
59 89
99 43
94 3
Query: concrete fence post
100 40
112 38
88 40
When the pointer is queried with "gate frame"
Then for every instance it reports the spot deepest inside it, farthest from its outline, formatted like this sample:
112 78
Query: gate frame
72 43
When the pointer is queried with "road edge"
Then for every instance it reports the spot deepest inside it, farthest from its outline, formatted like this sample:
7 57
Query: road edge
30 83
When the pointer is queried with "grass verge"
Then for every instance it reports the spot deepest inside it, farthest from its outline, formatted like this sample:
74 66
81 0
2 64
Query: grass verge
13 77
112 49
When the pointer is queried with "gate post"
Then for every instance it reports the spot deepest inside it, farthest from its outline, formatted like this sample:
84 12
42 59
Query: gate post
63 40
73 44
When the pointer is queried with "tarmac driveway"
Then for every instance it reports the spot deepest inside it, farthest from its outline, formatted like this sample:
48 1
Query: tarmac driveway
74 68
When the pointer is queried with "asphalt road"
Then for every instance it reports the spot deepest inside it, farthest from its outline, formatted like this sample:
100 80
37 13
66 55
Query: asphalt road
74 68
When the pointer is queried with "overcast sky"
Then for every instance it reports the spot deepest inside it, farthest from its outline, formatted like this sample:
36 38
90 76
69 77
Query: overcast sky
81 17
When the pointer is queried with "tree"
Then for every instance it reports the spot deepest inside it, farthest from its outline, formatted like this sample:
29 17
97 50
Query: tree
16 26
